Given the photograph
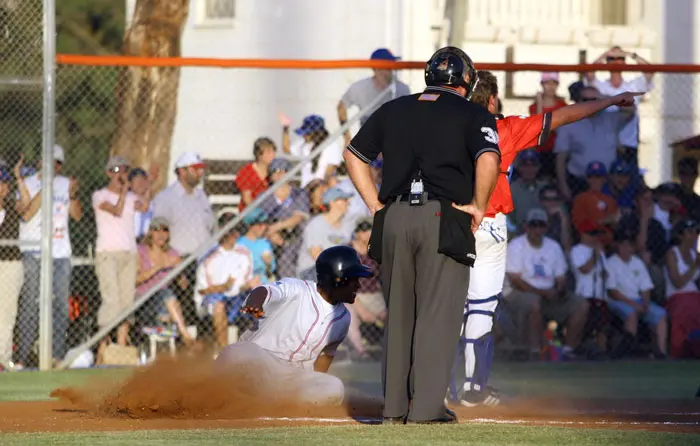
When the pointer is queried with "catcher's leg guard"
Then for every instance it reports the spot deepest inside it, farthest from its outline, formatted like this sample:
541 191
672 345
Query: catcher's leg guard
478 342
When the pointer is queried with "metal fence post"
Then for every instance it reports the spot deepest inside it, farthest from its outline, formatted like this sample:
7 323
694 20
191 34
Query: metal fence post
47 173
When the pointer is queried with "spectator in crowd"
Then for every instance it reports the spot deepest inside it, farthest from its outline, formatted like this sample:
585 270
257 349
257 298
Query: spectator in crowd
11 269
594 205
357 208
536 270
369 306
156 259
582 142
667 205
526 187
546 101
116 263
616 84
559 227
288 209
315 191
222 278
66 206
621 187
363 92
629 287
140 183
261 251
313 133
589 265
251 179
323 231
683 295
688 174
186 207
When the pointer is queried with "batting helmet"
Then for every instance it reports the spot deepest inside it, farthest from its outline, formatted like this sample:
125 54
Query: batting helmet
335 265
448 66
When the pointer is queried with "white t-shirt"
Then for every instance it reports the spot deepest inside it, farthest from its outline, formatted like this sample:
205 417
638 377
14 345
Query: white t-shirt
683 268
592 284
31 230
221 264
539 267
114 233
318 232
629 278
330 156
299 324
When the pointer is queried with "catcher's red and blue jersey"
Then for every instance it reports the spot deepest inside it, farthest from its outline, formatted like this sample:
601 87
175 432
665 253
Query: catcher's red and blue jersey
515 133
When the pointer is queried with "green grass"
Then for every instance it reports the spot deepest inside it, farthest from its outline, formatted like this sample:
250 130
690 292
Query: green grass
616 380
366 435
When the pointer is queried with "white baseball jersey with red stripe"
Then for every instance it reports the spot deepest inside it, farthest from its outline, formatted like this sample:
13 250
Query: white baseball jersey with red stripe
299 324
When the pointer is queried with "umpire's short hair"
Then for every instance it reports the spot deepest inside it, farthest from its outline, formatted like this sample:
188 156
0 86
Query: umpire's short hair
487 87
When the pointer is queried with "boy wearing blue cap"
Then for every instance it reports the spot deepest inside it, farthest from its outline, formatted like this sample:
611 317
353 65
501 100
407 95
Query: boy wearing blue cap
264 264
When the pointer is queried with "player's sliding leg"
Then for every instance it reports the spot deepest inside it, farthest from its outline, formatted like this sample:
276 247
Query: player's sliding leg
316 388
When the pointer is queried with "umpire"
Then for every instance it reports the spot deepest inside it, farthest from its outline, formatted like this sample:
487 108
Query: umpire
441 161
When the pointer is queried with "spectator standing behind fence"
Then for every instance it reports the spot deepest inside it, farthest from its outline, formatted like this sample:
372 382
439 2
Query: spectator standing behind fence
591 139
251 179
629 132
65 207
547 101
682 292
288 209
688 174
257 223
313 133
559 227
140 184
629 287
363 92
156 259
11 270
594 205
116 260
526 188
323 231
186 207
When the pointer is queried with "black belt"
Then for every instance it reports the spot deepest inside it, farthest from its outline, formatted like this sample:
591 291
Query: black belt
406 197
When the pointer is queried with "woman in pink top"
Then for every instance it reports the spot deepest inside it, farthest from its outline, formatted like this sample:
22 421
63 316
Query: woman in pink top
156 258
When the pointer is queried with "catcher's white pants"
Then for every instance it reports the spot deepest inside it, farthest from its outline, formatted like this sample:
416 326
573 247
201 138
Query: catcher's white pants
275 378
485 287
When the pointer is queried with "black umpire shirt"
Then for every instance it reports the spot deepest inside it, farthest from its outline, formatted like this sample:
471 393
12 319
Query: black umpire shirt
438 132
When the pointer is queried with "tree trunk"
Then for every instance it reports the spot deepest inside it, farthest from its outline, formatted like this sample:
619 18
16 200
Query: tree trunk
147 96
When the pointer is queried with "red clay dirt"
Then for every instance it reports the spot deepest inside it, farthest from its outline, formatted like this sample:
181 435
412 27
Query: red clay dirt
188 393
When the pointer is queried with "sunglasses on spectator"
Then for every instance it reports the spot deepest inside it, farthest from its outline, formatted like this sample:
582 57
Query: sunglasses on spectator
537 224
118 169
161 228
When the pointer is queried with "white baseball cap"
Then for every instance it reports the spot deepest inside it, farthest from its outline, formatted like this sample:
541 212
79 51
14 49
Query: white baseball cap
189 159
58 154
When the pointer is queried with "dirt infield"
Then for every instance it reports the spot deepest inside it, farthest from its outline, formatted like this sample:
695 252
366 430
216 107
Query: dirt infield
189 394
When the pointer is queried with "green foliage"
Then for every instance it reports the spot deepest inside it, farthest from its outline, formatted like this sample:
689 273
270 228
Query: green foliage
85 96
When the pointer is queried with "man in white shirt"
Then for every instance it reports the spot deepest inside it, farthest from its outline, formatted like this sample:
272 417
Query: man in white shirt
616 84
629 288
536 270
65 207
590 271
301 325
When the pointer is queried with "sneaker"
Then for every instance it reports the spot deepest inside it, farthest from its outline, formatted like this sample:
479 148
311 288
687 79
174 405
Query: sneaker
486 397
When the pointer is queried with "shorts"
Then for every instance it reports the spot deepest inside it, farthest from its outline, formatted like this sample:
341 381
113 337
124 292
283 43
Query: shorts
489 270
373 302
651 317
233 305
557 310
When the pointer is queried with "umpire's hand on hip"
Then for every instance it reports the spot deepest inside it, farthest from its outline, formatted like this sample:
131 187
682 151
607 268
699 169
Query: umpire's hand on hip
476 213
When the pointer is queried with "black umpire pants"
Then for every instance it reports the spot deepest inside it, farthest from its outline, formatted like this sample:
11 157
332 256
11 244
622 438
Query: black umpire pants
425 293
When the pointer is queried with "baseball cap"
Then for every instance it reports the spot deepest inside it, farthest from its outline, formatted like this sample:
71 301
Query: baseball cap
596 169
189 159
537 214
383 54
335 193
117 161
255 216
5 176
279 165
528 156
159 222
137 172
621 168
310 124
58 154
549 76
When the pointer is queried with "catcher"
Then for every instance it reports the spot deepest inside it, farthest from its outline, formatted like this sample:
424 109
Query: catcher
300 325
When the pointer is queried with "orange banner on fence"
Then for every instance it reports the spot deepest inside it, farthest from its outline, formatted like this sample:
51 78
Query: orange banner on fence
74 59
